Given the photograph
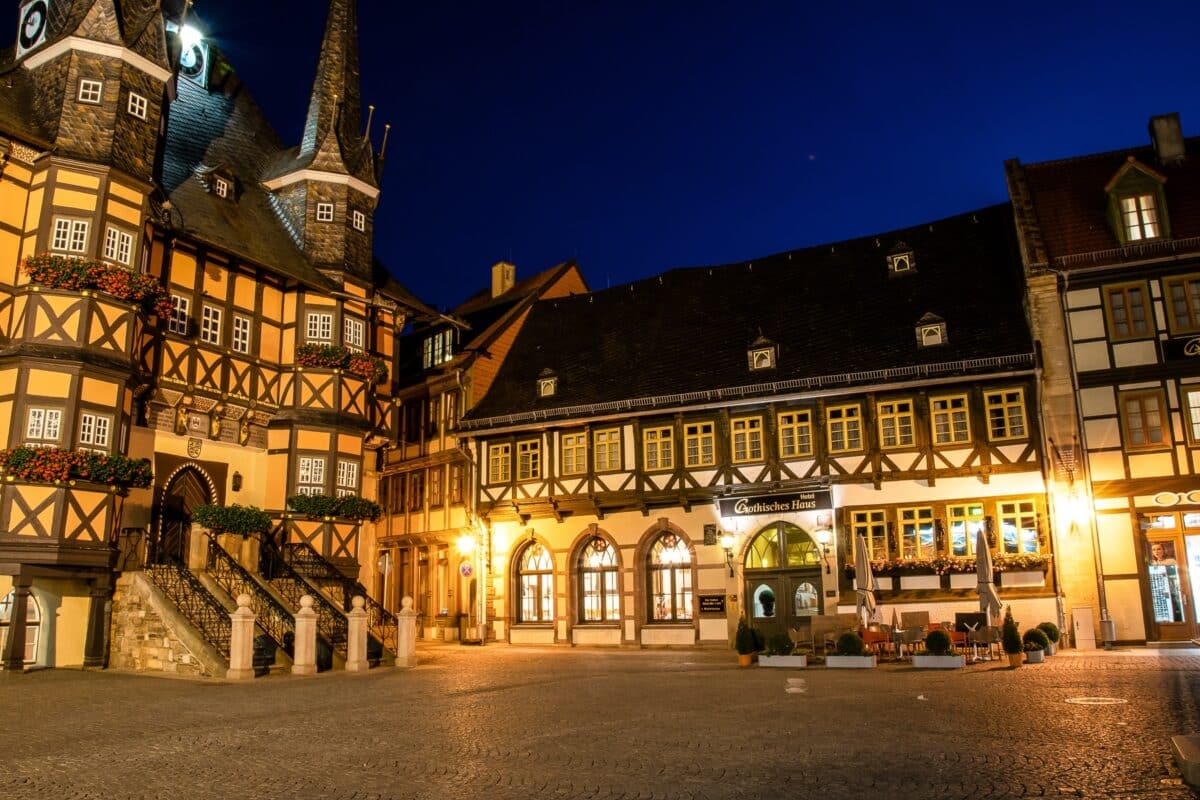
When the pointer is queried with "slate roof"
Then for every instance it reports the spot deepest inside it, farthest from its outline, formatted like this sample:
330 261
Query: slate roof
1070 205
832 310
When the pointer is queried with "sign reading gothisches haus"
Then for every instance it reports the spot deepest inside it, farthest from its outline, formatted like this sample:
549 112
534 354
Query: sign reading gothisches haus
775 503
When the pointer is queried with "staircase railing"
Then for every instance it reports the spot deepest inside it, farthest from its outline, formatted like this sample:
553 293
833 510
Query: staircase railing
195 602
275 621
331 623
306 561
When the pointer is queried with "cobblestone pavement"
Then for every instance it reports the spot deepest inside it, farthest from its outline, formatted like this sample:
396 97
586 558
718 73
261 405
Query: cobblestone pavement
501 722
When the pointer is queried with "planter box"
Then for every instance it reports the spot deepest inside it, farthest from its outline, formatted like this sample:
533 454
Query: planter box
850 662
920 582
939 662
1051 649
1023 578
795 662
963 580
1035 656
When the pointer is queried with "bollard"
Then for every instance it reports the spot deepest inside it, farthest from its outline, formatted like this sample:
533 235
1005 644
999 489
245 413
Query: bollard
241 641
356 632
304 656
406 634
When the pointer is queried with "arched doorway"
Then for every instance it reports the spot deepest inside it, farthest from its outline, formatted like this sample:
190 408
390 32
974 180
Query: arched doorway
186 490
783 579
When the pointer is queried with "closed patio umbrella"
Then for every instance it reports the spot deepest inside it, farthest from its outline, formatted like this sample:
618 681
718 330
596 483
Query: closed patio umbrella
989 601
865 581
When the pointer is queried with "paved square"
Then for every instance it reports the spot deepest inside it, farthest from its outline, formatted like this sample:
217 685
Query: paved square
502 722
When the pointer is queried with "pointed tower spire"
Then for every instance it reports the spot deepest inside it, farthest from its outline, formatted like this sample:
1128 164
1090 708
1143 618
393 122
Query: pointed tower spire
333 129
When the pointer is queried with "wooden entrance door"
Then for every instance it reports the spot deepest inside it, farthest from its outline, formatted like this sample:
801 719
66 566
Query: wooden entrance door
1170 589
186 491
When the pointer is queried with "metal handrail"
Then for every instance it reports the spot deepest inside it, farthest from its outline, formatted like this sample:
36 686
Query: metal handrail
331 623
275 620
195 602
310 564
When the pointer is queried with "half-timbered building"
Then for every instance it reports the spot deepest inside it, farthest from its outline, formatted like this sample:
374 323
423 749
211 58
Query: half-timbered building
447 364
131 151
1111 249
656 459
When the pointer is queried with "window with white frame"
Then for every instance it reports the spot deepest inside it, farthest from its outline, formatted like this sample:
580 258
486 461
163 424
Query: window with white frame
33 624
360 221
118 246
241 334
319 327
529 460
221 187
310 475
871 525
352 333
90 91
70 235
574 453
949 420
137 105
966 521
1019 528
178 323
916 532
499 463
1005 413
324 212
699 444
94 431
43 426
210 325
347 477
658 448
606 449
895 423
1140 217
844 424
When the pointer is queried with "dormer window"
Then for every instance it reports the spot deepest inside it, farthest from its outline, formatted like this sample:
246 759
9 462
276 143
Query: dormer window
221 187
324 212
1137 203
137 105
762 354
438 348
547 383
901 260
1140 217
360 221
931 331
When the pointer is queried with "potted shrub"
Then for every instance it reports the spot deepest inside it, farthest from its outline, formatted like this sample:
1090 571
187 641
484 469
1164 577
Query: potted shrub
744 641
779 653
1053 634
1010 639
850 654
939 653
1035 642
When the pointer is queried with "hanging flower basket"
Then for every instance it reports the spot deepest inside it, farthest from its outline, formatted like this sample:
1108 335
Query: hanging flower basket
55 465
334 356
75 274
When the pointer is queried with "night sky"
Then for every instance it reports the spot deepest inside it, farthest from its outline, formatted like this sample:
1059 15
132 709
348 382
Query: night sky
639 136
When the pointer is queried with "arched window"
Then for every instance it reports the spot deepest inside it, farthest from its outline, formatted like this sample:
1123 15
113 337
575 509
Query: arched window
535 578
782 544
670 571
600 600
33 624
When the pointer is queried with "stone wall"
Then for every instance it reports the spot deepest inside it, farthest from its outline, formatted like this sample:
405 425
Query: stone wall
148 635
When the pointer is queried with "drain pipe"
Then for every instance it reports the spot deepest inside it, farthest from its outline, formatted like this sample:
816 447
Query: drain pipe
1107 625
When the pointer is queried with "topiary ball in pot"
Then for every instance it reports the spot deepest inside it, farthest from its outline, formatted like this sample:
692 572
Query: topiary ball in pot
937 643
780 644
743 640
1051 630
1035 639
850 644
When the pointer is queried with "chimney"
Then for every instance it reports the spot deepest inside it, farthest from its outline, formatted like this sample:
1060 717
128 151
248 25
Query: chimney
1166 134
504 277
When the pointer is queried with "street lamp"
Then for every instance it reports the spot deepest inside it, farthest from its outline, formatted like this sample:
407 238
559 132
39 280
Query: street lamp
385 566
825 536
727 542
468 544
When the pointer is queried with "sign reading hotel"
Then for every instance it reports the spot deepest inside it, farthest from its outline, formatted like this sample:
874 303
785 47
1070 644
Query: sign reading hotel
790 503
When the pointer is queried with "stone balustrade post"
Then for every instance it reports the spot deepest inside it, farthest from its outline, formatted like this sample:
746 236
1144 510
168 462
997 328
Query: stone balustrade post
304 651
241 641
356 631
406 634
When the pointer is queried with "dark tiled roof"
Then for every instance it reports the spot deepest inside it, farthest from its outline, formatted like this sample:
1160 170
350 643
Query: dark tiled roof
831 310
16 104
1071 206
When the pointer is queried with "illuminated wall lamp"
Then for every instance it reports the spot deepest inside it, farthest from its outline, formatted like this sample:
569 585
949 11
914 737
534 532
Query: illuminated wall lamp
825 536
727 542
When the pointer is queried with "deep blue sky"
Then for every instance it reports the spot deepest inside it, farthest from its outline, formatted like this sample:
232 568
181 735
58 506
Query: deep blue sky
640 136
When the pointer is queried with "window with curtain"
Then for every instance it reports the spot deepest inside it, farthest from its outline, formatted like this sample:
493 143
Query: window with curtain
535 585
599 599
670 571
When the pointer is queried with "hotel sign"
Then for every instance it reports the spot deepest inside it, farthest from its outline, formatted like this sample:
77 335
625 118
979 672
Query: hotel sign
775 503
1181 349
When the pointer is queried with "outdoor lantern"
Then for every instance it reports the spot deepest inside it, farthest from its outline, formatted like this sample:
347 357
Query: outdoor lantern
825 536
727 542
